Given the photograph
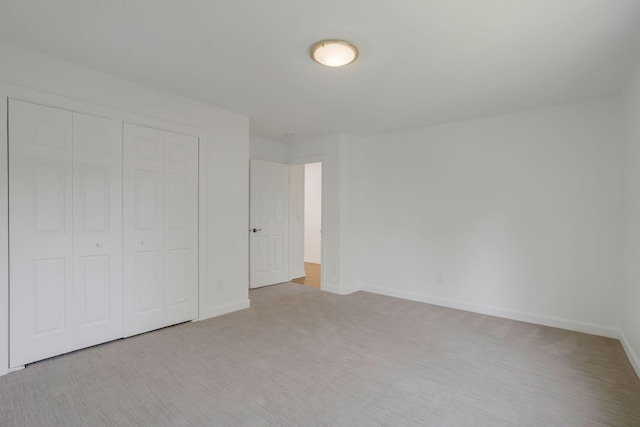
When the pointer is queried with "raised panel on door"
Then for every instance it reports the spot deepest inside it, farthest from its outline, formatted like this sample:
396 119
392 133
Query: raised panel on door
48 196
280 226
148 200
93 291
40 232
178 292
97 242
148 294
181 227
143 208
269 217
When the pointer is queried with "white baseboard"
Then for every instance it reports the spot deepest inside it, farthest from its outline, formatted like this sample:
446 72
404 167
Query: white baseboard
633 357
341 290
5 371
224 309
297 275
537 319
14 369
312 260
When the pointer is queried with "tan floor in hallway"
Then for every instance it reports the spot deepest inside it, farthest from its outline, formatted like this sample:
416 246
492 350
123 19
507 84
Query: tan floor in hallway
312 277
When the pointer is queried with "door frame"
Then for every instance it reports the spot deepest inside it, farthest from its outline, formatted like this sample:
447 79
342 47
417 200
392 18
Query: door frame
322 159
21 93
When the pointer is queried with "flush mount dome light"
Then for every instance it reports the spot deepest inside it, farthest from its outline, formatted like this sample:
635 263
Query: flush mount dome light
334 53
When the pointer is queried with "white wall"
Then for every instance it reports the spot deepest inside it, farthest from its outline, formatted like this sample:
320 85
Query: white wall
631 223
312 212
266 149
225 286
350 213
515 215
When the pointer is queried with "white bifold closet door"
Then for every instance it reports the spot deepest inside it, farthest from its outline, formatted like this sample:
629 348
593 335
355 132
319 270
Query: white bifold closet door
160 228
97 236
65 187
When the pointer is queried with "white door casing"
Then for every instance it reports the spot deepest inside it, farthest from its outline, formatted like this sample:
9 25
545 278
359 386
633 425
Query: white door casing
160 227
269 223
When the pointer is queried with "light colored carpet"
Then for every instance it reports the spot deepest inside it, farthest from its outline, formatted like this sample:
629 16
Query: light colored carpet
302 357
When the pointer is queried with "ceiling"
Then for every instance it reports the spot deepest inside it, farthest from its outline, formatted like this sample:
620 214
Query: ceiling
422 62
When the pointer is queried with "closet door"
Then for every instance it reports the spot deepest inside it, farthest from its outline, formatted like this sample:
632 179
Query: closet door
40 232
181 227
143 199
97 241
161 229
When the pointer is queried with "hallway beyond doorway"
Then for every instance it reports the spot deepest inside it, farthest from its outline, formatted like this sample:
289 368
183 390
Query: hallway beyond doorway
312 275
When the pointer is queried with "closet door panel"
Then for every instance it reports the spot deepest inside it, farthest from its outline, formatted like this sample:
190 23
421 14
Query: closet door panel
181 230
97 243
147 297
40 232
143 197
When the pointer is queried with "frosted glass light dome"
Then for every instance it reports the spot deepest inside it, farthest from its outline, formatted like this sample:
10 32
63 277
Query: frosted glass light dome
334 53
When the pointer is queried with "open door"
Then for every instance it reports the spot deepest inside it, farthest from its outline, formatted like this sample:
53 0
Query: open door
268 223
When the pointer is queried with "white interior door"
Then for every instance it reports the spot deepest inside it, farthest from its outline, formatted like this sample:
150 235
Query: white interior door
161 229
97 236
181 227
143 229
269 223
40 232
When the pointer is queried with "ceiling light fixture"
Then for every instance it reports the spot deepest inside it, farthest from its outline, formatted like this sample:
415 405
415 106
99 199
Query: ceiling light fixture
334 53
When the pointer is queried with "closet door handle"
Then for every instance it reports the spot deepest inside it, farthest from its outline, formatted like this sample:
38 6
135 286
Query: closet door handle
142 242
99 244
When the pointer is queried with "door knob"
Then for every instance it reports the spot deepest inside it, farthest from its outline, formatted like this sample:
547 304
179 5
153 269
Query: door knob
142 242
99 244
255 230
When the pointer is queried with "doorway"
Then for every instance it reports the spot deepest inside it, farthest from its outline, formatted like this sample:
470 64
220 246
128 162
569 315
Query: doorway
281 249
311 228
